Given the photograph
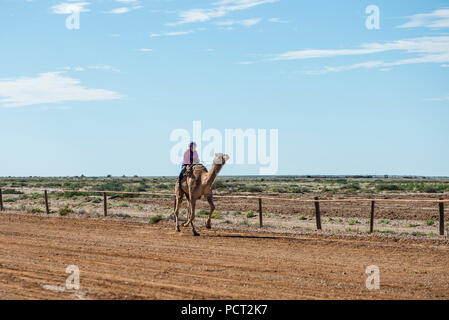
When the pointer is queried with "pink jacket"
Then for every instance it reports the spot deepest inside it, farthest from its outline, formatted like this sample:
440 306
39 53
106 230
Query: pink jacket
186 158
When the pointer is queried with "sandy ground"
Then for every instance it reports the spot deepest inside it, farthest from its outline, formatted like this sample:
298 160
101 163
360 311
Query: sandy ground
133 260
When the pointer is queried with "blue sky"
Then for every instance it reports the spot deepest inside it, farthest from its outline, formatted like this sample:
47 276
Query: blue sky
104 98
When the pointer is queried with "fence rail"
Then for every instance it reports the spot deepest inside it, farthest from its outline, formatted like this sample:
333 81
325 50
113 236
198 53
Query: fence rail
316 202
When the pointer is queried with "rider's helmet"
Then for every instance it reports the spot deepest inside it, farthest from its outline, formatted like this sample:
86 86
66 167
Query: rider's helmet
192 144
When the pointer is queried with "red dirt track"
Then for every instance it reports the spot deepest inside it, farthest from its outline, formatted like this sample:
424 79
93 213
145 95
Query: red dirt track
131 260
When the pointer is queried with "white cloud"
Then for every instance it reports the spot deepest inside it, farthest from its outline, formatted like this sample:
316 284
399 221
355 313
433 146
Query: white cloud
69 8
220 9
423 45
177 33
123 9
104 67
277 20
171 34
119 10
145 50
385 66
426 50
49 87
246 22
438 99
436 19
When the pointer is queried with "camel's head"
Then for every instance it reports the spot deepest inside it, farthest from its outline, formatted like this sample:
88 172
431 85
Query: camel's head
221 158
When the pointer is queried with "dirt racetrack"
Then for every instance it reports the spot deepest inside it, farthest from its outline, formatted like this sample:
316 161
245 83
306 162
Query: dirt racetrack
131 260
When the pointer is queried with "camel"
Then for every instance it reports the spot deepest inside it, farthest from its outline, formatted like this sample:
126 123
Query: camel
197 183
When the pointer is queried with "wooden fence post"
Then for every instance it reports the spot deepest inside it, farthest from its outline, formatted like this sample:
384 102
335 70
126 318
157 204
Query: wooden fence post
260 213
371 221
1 200
317 214
105 201
46 202
441 205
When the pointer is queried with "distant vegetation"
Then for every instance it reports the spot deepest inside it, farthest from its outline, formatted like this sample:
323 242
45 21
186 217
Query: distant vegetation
229 185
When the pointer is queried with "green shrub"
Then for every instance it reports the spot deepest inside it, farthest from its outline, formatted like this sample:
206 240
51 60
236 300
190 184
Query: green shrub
155 219
113 185
139 188
35 210
250 214
219 184
122 215
254 188
11 191
279 189
216 215
389 187
302 217
387 231
72 195
353 222
65 211
430 222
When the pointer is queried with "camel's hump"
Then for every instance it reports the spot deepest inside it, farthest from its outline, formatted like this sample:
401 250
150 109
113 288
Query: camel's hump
200 167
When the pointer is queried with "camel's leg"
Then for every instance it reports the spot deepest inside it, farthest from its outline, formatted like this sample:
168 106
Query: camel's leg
189 212
179 196
192 217
189 199
189 215
212 208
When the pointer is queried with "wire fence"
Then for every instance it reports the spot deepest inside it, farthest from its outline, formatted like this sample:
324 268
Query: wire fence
260 198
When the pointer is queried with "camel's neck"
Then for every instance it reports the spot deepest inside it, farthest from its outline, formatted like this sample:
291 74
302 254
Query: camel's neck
212 174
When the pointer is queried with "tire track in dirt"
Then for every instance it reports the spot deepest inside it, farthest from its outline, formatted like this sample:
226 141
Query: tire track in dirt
129 260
